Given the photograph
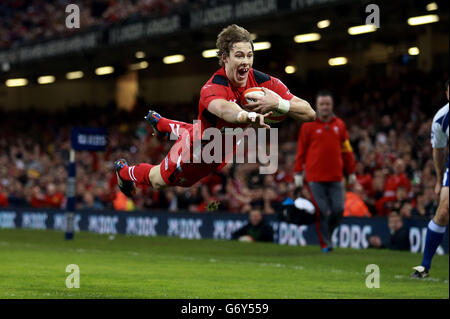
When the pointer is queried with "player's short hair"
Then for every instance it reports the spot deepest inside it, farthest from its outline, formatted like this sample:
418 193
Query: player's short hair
229 36
446 84
324 93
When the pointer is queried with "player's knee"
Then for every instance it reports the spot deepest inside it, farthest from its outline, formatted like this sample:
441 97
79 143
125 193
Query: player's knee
441 219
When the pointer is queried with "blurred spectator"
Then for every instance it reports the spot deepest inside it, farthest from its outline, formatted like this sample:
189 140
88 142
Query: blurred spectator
3 200
386 204
172 200
27 21
236 198
91 203
121 202
257 196
16 195
401 199
271 202
354 205
38 199
190 199
53 198
396 180
422 209
406 210
399 239
364 178
255 230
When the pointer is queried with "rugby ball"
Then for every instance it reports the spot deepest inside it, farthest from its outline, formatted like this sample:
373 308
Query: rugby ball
276 117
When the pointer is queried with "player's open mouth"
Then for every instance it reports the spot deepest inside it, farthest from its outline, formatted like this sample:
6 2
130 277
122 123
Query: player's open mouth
242 73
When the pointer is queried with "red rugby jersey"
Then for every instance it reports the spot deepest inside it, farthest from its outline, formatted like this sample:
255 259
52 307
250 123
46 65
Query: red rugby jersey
323 150
219 87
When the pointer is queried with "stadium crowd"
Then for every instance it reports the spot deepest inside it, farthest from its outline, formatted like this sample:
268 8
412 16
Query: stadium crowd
388 118
24 21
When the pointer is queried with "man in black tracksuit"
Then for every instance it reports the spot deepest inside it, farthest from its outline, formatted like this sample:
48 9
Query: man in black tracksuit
257 229
399 239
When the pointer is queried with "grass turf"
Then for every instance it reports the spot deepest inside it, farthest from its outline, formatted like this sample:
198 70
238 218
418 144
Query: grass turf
33 264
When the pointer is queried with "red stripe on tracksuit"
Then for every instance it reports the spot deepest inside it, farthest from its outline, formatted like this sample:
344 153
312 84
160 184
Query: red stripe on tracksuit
317 224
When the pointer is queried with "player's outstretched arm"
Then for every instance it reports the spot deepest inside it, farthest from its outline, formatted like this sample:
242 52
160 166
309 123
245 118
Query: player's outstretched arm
233 113
301 111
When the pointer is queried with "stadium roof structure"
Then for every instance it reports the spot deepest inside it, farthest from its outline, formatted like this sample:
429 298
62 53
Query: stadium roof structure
277 22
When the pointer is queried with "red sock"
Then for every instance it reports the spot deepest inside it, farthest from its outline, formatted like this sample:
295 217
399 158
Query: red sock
137 174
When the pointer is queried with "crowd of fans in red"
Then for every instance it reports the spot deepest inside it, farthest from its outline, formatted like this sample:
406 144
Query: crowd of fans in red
388 118
22 21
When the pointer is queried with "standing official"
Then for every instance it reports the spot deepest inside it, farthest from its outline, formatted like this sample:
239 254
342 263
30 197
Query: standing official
322 154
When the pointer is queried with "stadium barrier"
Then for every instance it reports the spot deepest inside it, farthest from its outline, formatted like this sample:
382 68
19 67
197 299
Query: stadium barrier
353 232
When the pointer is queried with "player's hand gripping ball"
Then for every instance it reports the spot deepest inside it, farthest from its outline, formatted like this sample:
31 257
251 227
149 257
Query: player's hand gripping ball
276 117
